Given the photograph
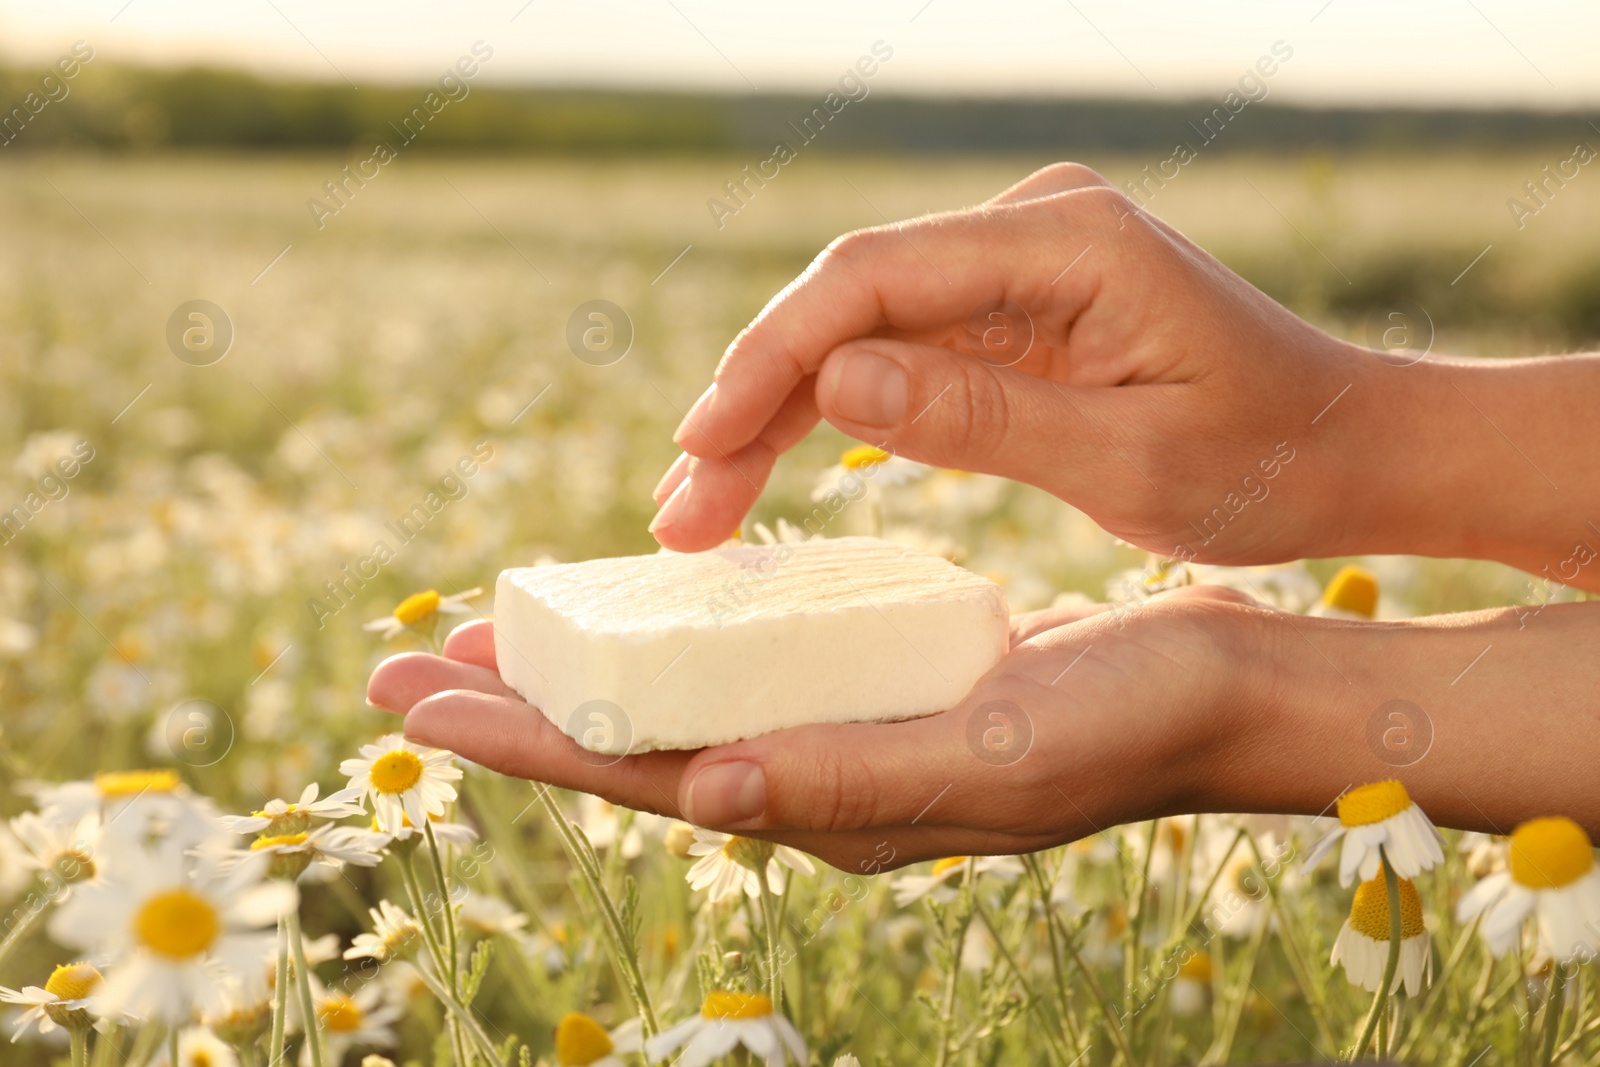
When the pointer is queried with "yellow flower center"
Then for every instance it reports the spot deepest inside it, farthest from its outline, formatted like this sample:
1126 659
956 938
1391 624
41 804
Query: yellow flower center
1369 910
748 852
395 772
1373 802
1550 853
861 457
580 1040
132 783
340 1014
1196 968
726 1004
72 981
418 606
272 841
177 924
946 865
1354 590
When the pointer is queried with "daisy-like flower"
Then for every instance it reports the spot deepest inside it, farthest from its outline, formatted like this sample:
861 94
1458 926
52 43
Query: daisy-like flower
726 1021
728 864
583 1042
1363 942
488 916
1483 853
420 610
175 931
601 822
284 817
63 848
402 780
943 880
1381 814
1352 594
199 1047
395 935
406 836
64 1001
1551 875
289 855
868 464
363 1019
1191 989
151 804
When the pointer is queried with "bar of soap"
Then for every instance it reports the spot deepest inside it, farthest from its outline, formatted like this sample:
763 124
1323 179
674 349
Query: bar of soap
679 651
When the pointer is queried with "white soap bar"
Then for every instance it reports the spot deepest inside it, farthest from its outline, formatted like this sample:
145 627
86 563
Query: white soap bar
686 650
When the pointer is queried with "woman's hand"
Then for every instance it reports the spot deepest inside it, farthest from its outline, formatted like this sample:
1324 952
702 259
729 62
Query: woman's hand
1095 717
1055 335
1060 336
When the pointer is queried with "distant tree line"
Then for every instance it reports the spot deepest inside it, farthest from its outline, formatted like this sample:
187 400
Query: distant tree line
115 107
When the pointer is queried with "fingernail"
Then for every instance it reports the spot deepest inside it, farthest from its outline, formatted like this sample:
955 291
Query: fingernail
672 510
671 480
696 415
726 793
870 389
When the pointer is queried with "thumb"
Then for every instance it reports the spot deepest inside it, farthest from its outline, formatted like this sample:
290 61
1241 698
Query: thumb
929 404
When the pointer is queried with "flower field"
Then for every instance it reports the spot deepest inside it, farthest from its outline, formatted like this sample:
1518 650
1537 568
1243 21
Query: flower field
208 539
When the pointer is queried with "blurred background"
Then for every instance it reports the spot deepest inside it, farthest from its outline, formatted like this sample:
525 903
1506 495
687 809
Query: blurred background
388 219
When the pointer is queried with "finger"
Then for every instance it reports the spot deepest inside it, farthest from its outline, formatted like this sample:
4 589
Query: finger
716 492
473 642
672 479
927 403
1033 623
401 681
1056 178
912 276
845 777
506 735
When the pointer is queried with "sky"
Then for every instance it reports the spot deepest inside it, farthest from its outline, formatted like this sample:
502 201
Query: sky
1422 52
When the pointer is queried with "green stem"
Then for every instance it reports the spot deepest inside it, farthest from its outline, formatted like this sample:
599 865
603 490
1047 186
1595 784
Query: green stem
627 961
408 875
308 1007
1130 955
448 910
172 1047
1022 981
1552 1014
280 995
1380 1002
769 918
79 1035
460 1012
958 944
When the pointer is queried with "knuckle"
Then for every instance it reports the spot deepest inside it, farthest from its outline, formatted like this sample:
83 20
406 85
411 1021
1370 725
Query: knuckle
1068 173
851 251
980 434
842 795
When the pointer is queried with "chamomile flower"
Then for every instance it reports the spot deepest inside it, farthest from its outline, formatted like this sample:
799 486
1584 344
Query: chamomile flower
866 464
728 864
395 935
943 880
199 1047
420 610
583 1042
150 804
1483 853
602 821
284 817
1191 988
406 836
488 916
290 855
726 1021
1550 875
363 1019
1363 942
1352 594
65 849
64 1001
175 930
1381 814
402 781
